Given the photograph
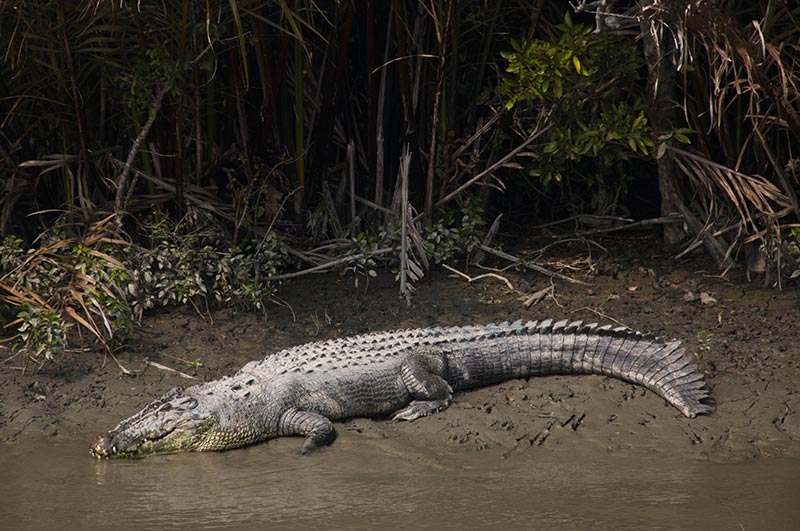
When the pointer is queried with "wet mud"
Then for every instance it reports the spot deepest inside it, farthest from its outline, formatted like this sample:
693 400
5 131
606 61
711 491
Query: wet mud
744 338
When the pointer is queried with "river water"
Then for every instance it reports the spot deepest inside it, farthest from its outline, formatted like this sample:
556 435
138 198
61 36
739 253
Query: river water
361 485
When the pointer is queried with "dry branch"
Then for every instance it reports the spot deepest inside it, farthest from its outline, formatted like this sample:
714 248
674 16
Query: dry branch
526 264
494 167
329 265
122 180
169 369
479 277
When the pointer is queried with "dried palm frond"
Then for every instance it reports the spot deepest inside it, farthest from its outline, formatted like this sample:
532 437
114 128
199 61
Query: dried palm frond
76 278
413 255
755 199
743 82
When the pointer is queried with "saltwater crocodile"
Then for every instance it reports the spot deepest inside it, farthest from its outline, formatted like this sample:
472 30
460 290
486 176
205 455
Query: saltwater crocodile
407 373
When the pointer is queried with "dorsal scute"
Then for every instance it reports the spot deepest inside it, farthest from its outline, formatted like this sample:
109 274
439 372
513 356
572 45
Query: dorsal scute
545 326
559 326
388 344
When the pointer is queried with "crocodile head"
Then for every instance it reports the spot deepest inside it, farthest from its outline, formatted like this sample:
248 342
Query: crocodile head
173 423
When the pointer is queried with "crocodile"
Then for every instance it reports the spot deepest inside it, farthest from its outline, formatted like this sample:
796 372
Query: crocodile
404 373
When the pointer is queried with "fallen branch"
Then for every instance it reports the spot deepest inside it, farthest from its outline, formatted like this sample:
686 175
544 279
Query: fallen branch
585 218
376 206
540 252
491 169
627 223
604 316
169 369
526 264
479 277
665 220
536 297
329 265
122 368
699 243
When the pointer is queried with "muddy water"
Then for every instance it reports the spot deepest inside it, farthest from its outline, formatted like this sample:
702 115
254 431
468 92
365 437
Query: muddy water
360 484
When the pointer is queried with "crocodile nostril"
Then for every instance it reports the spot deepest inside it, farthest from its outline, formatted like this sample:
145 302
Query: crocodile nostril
104 446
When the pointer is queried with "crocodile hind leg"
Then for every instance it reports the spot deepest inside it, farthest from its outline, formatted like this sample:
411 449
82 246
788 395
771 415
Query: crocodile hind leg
422 373
317 429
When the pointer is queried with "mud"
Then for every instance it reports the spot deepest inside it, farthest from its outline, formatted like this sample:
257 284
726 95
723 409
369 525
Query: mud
744 338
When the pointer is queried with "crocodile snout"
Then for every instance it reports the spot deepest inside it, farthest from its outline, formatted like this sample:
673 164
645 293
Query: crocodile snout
103 447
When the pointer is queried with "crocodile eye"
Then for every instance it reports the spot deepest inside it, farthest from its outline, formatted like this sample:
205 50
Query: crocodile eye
189 403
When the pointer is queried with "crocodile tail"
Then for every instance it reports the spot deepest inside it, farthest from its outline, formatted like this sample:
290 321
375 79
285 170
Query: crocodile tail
659 365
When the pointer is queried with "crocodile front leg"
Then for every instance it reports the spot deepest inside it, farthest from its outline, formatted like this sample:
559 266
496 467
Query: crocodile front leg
317 429
422 374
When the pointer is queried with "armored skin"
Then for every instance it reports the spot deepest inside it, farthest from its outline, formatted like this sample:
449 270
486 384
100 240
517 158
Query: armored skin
406 373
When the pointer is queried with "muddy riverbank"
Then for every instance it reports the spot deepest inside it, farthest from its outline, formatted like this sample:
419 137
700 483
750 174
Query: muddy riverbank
744 338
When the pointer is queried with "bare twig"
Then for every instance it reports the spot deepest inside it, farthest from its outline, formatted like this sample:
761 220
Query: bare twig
604 316
479 277
699 242
536 297
122 181
168 369
122 368
561 241
534 267
351 166
376 206
664 220
485 127
329 265
277 300
379 134
491 169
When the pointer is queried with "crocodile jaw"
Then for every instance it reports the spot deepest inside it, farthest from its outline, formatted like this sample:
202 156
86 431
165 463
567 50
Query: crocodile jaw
173 423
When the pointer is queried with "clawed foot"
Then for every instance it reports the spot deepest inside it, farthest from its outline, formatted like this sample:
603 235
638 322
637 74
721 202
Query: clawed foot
420 408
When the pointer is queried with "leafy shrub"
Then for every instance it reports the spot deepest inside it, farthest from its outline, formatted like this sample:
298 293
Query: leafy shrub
42 332
177 269
457 233
92 290
583 82
65 280
792 239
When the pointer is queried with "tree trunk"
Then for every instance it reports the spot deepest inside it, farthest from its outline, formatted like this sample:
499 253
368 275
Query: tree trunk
661 112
